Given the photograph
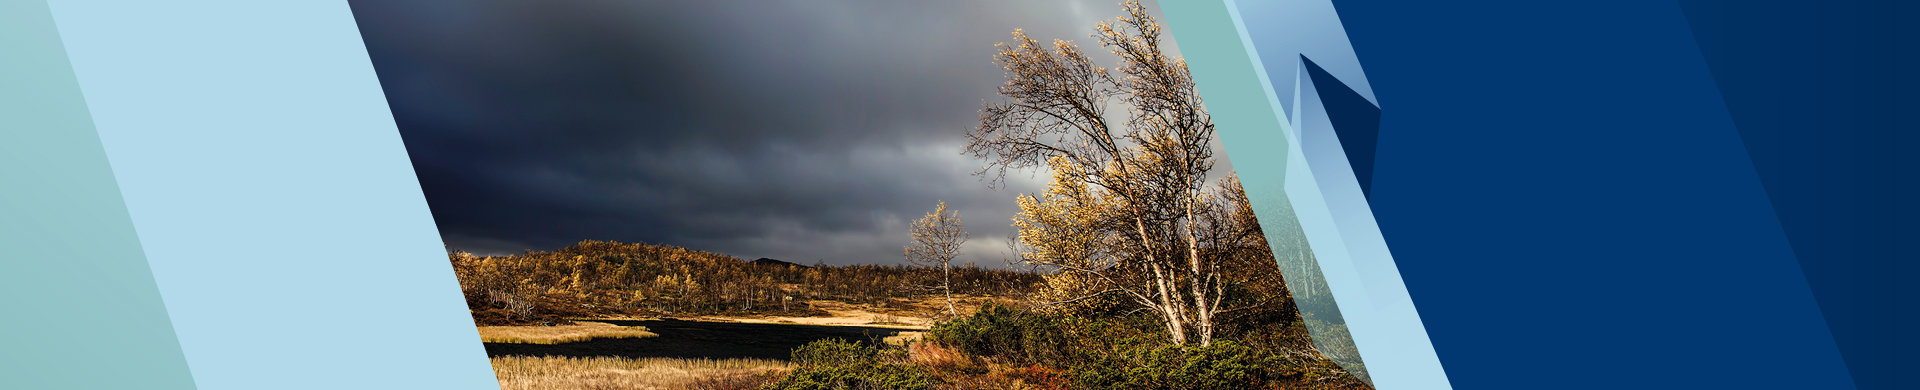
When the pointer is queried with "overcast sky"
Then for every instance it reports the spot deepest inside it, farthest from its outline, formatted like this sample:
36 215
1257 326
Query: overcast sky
806 131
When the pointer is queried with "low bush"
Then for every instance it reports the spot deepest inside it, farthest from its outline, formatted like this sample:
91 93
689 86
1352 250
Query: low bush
1131 353
837 352
998 331
835 364
1222 365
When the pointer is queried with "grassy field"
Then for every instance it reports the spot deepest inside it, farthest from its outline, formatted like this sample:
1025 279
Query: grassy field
579 331
598 373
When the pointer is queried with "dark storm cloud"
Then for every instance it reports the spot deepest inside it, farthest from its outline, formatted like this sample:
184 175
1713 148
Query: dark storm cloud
801 130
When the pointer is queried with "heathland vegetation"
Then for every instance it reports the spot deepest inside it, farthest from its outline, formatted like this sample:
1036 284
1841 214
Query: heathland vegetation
612 279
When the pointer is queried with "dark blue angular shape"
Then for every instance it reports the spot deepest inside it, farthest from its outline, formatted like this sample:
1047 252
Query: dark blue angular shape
1822 125
1355 120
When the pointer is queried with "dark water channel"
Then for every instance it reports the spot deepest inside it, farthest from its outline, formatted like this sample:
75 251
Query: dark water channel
698 339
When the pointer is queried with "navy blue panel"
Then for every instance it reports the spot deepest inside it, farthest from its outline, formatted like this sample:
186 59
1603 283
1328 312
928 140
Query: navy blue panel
1355 120
1571 205
1811 85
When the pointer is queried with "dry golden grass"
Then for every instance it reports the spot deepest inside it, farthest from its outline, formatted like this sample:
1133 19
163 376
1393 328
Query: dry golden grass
936 356
605 373
579 331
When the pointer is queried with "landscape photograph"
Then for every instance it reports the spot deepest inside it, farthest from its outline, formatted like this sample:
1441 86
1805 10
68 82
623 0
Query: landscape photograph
845 194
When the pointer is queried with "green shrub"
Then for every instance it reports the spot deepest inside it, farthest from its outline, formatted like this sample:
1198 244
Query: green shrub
1222 365
875 377
835 352
1134 353
1089 350
839 364
998 331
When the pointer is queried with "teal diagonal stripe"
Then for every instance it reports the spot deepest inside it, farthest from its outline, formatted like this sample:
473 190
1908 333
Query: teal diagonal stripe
78 305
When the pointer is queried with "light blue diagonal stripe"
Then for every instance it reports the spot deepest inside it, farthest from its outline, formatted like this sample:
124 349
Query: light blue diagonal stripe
1358 267
1302 27
1269 156
78 305
272 193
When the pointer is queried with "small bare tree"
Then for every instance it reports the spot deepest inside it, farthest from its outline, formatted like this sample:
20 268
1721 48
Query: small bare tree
937 238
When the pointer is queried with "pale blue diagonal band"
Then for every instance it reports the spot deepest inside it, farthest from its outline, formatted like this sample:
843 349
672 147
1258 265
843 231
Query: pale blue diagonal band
1267 153
272 194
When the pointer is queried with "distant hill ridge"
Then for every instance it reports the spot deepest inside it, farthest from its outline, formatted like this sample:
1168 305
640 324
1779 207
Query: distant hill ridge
768 262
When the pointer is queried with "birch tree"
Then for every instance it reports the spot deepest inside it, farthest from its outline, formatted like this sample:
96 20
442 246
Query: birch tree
1120 214
936 241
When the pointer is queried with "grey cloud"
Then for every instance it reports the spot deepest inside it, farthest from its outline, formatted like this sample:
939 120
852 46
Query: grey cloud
800 130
